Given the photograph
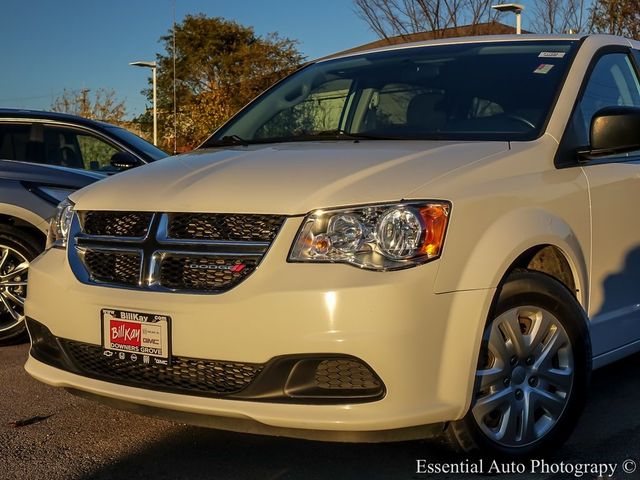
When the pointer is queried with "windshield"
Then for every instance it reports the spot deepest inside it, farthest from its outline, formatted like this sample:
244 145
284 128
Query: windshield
150 151
471 91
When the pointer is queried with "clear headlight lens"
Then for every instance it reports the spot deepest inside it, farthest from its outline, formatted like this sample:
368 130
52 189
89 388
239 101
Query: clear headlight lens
59 225
377 237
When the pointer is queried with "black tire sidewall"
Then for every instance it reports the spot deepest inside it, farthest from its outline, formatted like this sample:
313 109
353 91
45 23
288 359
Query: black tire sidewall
540 290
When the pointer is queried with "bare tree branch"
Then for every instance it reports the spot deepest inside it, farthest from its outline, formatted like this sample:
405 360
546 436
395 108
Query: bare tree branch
388 18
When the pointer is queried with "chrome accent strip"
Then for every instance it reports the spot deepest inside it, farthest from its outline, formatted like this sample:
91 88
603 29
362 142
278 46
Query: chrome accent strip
191 253
76 263
110 238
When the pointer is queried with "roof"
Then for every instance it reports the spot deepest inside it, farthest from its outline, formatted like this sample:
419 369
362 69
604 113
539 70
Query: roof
379 47
54 116
488 28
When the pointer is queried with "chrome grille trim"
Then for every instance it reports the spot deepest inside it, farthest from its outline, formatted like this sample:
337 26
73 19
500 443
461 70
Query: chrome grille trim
153 248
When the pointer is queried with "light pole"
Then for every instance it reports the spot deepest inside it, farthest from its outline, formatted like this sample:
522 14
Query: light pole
512 7
154 67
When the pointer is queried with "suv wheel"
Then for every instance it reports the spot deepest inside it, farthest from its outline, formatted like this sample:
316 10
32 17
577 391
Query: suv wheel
533 370
17 249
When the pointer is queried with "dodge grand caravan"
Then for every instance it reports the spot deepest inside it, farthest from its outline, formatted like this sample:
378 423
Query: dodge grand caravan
433 238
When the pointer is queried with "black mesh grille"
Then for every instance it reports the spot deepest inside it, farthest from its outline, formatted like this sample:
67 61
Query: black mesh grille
184 374
215 226
204 273
345 374
113 267
116 224
196 265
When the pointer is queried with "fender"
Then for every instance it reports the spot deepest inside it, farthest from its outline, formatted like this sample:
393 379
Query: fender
488 258
25 215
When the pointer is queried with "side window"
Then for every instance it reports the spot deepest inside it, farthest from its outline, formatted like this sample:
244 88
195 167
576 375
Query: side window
95 153
14 142
613 82
76 149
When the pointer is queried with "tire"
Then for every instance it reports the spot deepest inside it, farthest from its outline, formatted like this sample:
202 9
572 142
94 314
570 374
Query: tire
533 371
17 248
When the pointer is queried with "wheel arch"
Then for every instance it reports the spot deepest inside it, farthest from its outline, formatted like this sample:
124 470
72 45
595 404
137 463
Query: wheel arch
529 238
25 221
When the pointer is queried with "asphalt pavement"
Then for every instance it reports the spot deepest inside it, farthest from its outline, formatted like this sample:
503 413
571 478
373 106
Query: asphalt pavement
47 433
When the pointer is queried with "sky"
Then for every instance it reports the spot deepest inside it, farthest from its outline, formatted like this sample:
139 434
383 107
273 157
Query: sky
47 46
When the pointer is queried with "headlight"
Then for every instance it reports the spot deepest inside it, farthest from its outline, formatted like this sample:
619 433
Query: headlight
377 237
59 225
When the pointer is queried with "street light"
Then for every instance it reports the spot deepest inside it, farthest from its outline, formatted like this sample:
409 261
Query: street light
154 67
512 7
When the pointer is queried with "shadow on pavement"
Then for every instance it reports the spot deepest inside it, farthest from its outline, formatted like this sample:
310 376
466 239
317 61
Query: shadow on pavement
609 431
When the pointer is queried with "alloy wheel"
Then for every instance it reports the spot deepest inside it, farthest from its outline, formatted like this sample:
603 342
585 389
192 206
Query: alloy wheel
13 287
525 377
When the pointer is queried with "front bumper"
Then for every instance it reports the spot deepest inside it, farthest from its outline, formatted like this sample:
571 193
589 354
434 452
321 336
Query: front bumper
422 346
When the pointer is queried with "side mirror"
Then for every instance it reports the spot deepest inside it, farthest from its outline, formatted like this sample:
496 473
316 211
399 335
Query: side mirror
613 130
124 161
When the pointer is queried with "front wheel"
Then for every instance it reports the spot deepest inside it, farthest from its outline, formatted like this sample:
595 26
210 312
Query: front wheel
17 249
533 371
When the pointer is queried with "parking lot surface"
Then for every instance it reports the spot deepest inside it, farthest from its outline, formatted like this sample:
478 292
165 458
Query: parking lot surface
46 433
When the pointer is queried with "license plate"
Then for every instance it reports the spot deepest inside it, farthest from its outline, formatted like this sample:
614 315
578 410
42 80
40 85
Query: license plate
136 337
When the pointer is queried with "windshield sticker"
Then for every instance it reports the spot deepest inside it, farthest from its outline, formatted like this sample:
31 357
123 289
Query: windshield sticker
551 55
543 68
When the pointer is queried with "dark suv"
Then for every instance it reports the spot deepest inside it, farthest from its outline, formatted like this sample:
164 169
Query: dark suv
44 157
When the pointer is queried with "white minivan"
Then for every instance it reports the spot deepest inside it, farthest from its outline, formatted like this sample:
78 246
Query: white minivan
431 238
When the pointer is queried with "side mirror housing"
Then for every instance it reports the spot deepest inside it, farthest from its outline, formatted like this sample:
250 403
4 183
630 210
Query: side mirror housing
613 130
124 161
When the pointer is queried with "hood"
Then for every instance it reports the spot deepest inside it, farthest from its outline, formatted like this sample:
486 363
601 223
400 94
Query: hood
64 177
289 178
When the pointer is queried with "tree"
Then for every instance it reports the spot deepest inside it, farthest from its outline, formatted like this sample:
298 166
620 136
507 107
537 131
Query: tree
220 66
617 17
390 18
103 105
558 16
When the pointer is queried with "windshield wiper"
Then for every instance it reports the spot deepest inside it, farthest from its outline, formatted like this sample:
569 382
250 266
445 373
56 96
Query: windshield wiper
337 134
227 140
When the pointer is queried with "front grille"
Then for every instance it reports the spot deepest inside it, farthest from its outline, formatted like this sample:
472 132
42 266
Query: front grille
226 227
344 375
113 267
176 252
116 224
186 375
204 273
